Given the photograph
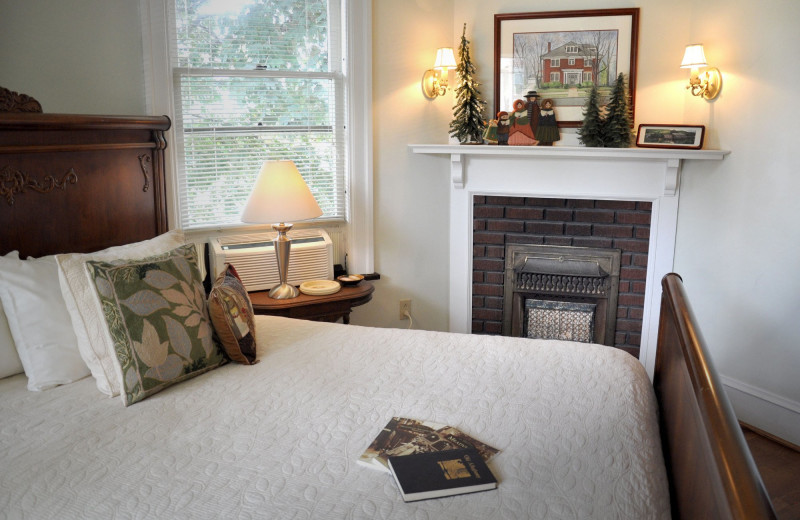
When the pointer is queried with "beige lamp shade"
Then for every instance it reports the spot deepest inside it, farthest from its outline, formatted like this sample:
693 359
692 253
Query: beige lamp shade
694 57
445 59
280 195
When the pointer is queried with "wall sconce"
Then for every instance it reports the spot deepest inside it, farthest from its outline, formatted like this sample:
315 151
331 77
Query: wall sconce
706 84
434 81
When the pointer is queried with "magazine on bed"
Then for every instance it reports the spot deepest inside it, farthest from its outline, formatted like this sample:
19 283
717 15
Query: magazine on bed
402 436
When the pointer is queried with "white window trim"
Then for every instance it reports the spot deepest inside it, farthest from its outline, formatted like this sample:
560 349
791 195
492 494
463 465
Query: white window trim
358 28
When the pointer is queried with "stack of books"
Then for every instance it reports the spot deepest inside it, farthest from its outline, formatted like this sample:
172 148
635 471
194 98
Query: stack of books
430 460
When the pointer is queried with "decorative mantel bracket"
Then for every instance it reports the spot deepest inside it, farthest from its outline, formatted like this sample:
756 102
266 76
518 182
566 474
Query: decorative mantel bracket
672 173
614 174
457 170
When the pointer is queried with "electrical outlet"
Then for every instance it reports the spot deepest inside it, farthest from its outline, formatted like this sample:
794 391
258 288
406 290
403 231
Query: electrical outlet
405 307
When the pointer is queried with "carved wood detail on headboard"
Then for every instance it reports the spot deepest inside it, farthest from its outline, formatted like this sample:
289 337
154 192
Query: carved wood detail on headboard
11 101
13 182
144 163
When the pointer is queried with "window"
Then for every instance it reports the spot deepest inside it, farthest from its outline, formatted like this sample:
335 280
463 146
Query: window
571 61
555 77
243 89
571 49
555 62
256 81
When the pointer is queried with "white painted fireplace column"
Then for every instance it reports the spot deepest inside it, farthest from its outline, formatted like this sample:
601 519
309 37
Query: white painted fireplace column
631 174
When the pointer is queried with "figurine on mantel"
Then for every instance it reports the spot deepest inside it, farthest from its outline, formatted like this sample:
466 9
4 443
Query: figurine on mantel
521 132
547 131
528 125
533 109
490 135
503 127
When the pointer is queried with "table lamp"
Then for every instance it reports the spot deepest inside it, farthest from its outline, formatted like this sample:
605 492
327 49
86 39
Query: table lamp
280 195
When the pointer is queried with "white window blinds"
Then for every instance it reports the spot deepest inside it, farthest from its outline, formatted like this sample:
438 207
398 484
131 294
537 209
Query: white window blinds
256 80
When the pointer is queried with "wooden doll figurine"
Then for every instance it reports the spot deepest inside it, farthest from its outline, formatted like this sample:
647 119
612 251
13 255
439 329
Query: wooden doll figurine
533 110
521 133
490 135
547 131
503 127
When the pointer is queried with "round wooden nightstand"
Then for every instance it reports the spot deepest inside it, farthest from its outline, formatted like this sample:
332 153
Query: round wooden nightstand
330 307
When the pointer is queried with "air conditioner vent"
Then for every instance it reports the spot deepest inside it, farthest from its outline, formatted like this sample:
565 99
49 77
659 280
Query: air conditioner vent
253 256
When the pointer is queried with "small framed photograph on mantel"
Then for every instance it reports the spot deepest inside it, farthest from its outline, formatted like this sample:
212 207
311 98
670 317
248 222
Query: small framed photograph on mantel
688 137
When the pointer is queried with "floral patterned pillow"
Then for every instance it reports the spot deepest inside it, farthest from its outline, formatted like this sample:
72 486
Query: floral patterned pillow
158 320
232 316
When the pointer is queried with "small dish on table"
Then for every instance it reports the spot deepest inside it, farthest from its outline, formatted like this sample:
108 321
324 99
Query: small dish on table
350 279
319 287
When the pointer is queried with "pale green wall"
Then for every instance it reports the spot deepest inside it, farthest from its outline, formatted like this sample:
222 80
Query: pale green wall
74 56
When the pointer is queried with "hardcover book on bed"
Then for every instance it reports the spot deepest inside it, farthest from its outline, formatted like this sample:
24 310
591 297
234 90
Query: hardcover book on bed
442 473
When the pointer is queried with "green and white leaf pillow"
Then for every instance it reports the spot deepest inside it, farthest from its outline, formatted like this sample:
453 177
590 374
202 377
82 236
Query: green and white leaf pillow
158 320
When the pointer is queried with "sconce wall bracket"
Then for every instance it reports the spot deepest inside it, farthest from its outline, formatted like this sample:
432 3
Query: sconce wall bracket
432 84
707 84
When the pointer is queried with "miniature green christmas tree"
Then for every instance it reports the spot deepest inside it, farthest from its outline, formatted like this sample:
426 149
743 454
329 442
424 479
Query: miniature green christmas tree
617 129
468 123
591 132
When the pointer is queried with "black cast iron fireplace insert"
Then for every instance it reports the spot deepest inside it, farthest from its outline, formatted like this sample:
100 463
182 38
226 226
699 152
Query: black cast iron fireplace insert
561 292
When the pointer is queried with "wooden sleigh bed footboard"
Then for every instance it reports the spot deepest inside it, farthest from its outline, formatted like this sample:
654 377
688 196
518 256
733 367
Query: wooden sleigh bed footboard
710 469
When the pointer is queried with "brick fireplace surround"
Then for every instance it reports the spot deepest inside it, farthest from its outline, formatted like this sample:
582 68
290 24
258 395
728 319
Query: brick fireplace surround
498 221
569 173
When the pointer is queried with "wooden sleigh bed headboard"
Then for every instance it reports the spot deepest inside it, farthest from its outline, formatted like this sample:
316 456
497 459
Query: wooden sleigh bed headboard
80 183
72 183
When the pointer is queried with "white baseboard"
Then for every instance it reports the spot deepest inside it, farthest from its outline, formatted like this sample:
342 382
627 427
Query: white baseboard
767 411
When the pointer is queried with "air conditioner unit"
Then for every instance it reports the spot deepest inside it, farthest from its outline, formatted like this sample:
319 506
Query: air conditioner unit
253 256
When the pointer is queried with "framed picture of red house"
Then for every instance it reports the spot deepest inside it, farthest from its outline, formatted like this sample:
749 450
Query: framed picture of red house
559 55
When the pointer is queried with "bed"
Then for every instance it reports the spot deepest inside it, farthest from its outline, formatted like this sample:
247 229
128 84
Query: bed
582 432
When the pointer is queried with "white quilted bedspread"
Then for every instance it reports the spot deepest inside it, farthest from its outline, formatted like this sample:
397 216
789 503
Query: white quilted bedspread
576 425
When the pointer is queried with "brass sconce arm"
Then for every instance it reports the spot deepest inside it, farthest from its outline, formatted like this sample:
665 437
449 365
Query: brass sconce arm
706 84
434 83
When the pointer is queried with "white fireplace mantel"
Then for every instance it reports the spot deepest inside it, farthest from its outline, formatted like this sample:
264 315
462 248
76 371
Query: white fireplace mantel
635 174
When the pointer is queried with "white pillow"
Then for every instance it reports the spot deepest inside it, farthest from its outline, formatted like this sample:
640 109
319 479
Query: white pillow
83 305
39 322
9 359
